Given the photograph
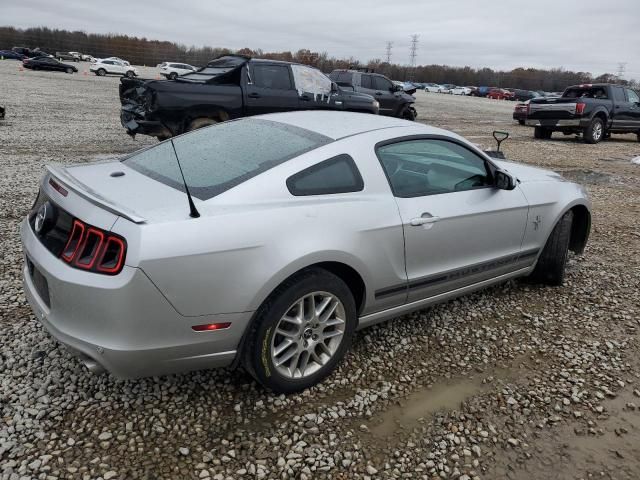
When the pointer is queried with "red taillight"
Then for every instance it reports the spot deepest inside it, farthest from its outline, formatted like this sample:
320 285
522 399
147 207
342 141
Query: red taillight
94 249
580 108
207 327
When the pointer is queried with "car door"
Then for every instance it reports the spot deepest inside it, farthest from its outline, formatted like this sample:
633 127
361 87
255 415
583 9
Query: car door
270 89
385 94
459 229
627 112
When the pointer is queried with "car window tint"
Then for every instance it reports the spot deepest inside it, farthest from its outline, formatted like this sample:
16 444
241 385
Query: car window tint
633 96
217 158
618 94
381 83
429 167
365 81
341 77
272 76
336 175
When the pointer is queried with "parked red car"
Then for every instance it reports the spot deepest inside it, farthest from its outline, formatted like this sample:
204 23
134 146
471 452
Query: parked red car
500 94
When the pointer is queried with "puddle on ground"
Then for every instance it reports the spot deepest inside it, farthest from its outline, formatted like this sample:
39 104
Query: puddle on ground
587 176
425 402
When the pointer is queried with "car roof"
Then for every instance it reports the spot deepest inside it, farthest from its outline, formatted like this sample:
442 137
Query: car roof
337 125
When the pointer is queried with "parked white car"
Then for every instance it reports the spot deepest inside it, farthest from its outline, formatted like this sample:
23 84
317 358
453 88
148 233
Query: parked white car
172 70
115 67
460 91
433 87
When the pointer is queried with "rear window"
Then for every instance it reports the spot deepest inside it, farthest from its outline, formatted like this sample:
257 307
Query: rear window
217 158
585 92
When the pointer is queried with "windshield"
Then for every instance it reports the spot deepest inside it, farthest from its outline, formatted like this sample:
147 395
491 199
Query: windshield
217 158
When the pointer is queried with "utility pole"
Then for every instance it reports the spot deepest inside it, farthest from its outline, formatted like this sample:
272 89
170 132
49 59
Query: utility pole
413 52
389 46
621 68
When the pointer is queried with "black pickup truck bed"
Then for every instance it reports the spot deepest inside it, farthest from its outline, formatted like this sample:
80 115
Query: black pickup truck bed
593 110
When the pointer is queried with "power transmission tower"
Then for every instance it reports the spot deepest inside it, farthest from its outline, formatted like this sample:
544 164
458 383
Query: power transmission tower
389 46
621 68
413 52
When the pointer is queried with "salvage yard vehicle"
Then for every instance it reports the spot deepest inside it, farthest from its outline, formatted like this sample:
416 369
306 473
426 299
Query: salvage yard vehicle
113 67
74 57
394 100
11 55
500 94
520 112
171 70
432 87
593 110
46 63
460 91
231 86
267 241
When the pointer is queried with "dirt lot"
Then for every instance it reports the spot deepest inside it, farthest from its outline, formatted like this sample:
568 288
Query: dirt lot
519 382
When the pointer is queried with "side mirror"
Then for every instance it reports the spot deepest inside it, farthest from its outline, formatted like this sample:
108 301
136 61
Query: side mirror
504 181
396 88
334 87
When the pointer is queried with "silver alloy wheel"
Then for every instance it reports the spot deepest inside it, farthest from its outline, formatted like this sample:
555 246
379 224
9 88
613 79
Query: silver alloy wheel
597 131
308 335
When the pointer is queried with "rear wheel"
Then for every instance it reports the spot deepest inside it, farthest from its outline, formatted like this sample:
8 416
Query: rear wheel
551 264
173 76
594 132
543 133
521 122
201 122
301 332
101 72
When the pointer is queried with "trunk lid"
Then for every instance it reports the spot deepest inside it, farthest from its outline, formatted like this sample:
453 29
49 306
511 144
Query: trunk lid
556 108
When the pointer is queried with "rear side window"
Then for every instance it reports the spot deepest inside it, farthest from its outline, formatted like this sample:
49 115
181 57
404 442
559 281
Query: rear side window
618 94
272 76
217 158
336 175
365 81
633 96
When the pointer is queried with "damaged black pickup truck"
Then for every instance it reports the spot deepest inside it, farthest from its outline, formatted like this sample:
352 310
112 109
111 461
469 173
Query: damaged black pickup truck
230 86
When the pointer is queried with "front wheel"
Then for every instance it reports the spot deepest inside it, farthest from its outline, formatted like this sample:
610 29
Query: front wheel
130 74
302 332
173 76
551 264
101 72
69 70
408 113
594 132
201 122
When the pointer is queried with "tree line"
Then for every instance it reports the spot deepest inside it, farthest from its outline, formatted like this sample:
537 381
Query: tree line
143 51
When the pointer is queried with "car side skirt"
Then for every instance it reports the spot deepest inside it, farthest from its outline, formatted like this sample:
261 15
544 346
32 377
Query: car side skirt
378 317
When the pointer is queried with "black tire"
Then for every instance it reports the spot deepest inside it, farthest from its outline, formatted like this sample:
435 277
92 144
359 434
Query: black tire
101 72
521 122
594 132
69 70
553 259
129 74
257 356
173 76
201 122
408 113
542 133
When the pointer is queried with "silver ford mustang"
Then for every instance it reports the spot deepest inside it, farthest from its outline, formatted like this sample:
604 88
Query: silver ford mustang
267 241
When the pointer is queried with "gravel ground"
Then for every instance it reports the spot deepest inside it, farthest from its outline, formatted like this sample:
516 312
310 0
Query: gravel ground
517 381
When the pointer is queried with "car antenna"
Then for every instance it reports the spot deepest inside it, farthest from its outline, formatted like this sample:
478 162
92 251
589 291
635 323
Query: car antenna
193 211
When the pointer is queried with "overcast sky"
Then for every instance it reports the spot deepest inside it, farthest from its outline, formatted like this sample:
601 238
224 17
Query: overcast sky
587 35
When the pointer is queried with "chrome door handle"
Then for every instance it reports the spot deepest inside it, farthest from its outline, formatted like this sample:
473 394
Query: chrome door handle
424 219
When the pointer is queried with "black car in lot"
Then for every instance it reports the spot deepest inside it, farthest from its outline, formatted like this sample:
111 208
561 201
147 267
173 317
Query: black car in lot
231 86
11 55
47 63
394 101
524 95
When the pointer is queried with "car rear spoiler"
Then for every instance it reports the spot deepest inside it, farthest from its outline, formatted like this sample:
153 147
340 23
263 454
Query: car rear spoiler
70 182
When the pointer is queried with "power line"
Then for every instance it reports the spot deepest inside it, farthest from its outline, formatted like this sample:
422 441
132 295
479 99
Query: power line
389 46
621 68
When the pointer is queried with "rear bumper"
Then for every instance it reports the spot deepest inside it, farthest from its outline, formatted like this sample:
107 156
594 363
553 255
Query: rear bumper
122 324
551 123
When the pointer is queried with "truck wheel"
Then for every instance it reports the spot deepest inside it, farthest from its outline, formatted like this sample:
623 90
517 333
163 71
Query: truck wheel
521 122
301 333
200 123
553 259
101 72
594 132
408 113
173 76
543 133
130 74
